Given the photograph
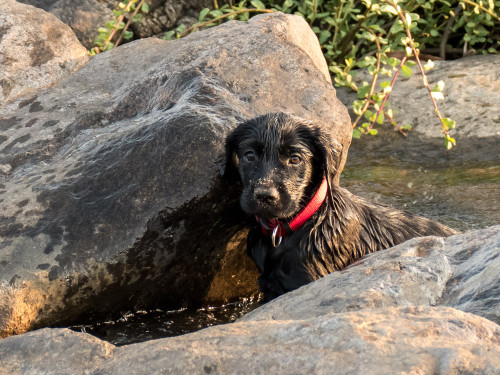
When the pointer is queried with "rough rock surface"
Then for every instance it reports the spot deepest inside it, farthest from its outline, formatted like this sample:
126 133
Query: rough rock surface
36 50
110 190
376 317
459 271
472 94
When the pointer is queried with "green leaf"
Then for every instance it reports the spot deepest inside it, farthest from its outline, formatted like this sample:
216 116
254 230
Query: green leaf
388 9
406 70
109 46
407 20
169 35
438 87
127 34
258 4
380 118
448 123
203 14
363 91
145 8
429 65
437 95
373 131
357 106
356 133
137 17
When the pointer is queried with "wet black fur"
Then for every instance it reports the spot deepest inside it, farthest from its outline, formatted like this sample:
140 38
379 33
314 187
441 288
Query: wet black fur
344 229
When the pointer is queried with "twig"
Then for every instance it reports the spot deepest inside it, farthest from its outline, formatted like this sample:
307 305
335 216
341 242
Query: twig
424 77
447 32
388 93
130 20
374 80
494 15
115 28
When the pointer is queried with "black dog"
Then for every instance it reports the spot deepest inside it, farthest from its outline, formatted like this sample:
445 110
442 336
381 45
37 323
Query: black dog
306 226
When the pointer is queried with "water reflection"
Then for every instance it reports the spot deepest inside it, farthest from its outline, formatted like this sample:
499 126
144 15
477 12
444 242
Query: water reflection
147 325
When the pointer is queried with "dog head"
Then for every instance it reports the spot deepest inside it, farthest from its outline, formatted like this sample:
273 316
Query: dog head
280 160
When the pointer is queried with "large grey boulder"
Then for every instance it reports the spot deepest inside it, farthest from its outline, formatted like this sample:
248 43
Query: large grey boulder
389 314
36 51
110 181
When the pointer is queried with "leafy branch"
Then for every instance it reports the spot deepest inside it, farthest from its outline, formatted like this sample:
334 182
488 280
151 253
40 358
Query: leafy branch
216 16
103 42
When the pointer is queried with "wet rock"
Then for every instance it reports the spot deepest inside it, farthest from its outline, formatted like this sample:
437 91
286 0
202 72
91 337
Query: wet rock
459 271
393 340
110 188
36 50
472 91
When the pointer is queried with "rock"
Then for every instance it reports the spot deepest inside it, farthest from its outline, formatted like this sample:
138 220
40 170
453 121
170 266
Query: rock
165 15
84 17
474 286
393 340
459 271
472 91
110 189
383 315
36 51
411 274
42 4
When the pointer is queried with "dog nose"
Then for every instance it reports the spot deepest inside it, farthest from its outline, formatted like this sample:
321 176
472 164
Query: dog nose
268 195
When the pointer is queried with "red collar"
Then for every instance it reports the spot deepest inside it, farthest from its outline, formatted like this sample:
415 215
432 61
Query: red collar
276 228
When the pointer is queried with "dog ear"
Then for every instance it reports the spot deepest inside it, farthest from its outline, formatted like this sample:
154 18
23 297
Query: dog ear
329 155
232 142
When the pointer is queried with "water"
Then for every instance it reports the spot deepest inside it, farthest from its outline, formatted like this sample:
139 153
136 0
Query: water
461 194
147 325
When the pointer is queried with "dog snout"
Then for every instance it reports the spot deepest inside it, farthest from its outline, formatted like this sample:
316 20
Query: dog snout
266 194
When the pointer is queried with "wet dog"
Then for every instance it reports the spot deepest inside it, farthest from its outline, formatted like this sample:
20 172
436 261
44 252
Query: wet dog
306 226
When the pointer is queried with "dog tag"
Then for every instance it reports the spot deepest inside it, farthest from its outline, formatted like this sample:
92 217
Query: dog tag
273 237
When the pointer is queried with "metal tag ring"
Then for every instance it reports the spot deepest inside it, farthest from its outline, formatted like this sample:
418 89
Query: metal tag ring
273 237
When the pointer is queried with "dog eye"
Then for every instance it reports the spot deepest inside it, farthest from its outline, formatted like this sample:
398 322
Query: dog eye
294 159
249 156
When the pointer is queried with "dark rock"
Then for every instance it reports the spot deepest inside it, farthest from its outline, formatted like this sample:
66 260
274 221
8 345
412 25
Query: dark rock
118 204
36 50
84 17
42 4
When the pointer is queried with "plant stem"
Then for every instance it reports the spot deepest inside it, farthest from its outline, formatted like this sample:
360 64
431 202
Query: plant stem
482 8
388 93
424 77
374 80
120 20
130 20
